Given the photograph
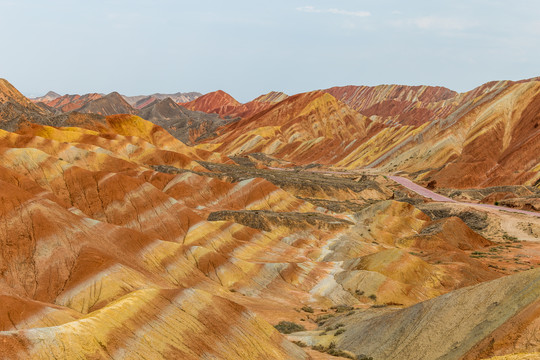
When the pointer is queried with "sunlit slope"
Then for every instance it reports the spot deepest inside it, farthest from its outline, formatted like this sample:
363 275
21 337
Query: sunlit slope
310 127
495 142
107 254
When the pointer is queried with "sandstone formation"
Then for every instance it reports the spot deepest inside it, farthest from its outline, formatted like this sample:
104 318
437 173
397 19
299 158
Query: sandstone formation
221 103
165 233
493 130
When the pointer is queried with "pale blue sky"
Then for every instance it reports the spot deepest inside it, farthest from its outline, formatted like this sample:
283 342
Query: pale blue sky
251 47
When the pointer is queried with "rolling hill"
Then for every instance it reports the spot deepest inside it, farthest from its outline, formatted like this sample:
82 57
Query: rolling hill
164 232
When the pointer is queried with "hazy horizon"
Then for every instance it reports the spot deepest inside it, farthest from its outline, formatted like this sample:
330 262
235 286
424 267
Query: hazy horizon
248 49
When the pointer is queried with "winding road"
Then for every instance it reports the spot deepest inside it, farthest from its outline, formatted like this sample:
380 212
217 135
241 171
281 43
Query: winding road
438 197
420 190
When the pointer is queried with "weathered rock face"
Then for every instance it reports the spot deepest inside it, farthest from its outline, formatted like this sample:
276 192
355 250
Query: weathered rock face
118 240
486 137
272 97
161 109
110 104
493 142
91 247
8 93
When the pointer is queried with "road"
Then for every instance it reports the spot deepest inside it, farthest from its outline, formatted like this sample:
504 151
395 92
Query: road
437 197
420 190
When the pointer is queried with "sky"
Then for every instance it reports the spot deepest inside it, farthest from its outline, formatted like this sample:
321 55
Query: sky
248 48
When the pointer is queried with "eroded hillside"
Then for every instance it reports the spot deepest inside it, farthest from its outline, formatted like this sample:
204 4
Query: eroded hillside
118 240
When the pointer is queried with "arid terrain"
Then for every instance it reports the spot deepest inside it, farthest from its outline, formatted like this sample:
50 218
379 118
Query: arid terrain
387 222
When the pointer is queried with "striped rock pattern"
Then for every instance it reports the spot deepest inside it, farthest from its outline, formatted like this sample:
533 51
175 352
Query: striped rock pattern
103 256
486 137
120 241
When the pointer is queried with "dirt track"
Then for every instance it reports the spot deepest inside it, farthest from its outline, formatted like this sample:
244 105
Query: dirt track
437 197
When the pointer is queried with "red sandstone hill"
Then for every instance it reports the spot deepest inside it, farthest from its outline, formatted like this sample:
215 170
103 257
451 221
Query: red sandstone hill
72 102
221 103
406 105
218 102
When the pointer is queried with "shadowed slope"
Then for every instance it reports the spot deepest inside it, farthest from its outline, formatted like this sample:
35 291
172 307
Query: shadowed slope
110 104
140 101
186 125
8 93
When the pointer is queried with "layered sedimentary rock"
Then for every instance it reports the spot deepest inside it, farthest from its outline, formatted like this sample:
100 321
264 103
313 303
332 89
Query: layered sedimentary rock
494 141
310 127
487 137
118 240
467 324
161 109
110 104
221 103
406 105
218 102
67 103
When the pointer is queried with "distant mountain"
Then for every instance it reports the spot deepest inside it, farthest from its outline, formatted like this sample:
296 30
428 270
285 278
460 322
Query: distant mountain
272 97
489 136
110 104
219 102
17 111
398 104
50 96
145 101
72 102
140 101
186 125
